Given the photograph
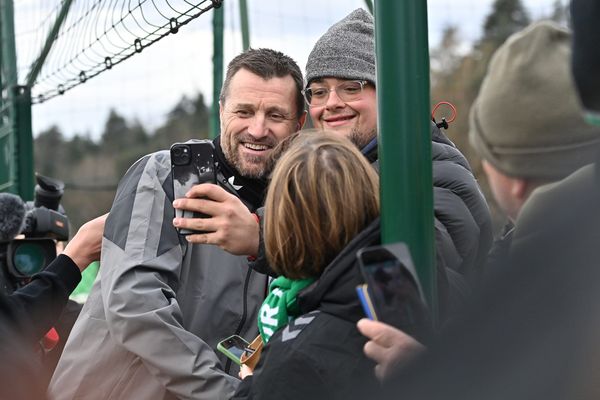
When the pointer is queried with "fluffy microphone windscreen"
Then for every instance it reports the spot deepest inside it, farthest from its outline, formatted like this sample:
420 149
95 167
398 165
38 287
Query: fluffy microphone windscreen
12 214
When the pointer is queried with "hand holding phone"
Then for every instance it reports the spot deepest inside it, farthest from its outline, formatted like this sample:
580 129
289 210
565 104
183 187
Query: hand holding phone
192 163
234 347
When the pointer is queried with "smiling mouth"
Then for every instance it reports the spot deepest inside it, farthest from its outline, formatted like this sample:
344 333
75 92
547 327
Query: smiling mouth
338 120
256 146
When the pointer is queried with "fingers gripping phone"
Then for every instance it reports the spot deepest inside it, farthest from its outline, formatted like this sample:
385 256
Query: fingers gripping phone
234 347
391 293
192 163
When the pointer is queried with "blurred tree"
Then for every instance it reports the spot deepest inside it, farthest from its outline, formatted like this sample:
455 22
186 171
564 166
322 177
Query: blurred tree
506 18
187 120
49 148
446 57
560 13
80 147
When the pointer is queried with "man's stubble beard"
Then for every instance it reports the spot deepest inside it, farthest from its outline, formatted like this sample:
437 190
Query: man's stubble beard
233 158
260 166
361 139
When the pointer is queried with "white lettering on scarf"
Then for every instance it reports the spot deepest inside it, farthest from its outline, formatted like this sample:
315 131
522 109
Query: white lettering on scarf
267 313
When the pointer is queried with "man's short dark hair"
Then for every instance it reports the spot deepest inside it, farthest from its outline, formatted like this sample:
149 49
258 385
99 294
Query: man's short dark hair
267 64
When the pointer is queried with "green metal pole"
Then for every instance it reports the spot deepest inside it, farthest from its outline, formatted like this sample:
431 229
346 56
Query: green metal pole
24 134
405 133
215 125
16 143
37 66
244 24
369 5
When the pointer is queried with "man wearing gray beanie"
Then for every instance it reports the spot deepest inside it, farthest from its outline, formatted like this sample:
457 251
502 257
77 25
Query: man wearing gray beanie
341 95
526 123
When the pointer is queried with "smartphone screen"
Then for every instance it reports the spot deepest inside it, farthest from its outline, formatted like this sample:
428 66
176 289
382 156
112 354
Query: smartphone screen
233 347
391 288
191 164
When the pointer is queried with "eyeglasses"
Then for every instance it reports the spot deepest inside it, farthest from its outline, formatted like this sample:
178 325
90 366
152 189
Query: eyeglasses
347 91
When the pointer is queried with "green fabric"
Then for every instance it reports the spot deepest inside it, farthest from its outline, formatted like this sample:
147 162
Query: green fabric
280 306
592 118
88 277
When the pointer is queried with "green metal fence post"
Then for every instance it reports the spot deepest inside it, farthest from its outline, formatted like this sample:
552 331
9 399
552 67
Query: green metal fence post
16 143
39 62
215 125
244 25
405 133
24 134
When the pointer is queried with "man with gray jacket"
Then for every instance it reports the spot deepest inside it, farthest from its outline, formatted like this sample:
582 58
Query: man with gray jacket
161 304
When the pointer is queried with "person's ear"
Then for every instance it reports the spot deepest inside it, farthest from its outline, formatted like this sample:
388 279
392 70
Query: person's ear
520 189
301 121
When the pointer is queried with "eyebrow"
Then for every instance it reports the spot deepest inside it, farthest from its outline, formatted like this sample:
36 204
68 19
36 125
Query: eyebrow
279 110
271 109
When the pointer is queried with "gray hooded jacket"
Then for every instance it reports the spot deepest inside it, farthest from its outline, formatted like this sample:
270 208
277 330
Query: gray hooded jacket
150 327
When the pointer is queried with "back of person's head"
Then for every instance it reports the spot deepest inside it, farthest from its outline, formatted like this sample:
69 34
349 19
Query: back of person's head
345 51
526 121
323 192
267 64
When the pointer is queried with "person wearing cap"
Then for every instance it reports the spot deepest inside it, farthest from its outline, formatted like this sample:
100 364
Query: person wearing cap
526 123
530 332
341 95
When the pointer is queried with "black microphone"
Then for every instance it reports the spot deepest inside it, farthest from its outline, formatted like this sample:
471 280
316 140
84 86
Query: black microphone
12 215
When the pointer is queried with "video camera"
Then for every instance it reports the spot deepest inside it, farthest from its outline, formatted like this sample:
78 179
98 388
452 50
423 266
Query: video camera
29 232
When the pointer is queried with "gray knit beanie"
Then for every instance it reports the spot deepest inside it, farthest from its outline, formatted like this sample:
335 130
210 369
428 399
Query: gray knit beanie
345 51
526 120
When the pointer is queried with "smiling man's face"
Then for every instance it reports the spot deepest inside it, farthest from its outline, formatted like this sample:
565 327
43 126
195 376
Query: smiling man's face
255 116
357 119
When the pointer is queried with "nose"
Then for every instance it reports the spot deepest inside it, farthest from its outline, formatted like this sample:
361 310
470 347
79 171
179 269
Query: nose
258 126
333 101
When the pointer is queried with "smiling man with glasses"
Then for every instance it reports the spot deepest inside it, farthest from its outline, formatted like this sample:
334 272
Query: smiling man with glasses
341 96
345 106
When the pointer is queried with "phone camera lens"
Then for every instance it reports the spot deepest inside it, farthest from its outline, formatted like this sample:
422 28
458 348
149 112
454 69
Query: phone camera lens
180 155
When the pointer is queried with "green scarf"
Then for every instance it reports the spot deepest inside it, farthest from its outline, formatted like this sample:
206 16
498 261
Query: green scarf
280 306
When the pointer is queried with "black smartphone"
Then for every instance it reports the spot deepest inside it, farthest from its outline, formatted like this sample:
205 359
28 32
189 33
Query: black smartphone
391 290
192 163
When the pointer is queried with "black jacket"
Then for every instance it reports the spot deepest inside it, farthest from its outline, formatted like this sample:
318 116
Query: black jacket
25 316
463 226
33 309
319 355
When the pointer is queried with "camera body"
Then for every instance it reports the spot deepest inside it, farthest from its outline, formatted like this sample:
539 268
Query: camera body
43 225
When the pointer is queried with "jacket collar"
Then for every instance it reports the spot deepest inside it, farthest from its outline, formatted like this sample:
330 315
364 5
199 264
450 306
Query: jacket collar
335 290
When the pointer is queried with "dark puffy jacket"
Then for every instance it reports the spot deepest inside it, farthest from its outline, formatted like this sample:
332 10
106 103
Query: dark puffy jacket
319 354
463 227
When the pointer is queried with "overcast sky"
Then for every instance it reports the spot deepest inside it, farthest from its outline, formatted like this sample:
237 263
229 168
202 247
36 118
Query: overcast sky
149 84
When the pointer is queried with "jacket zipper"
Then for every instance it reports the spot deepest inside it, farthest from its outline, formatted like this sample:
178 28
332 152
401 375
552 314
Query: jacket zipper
244 313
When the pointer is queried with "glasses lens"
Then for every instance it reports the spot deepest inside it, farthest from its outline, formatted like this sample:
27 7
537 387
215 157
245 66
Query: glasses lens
349 91
317 95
